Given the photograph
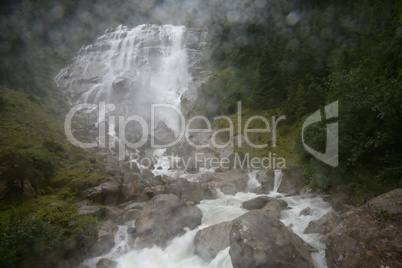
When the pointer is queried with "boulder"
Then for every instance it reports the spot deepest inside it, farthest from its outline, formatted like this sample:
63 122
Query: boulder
134 189
128 215
207 177
164 217
105 238
261 201
258 239
163 134
305 212
323 225
113 167
191 191
106 263
121 84
132 205
112 212
84 209
230 181
209 241
274 208
272 205
190 164
369 235
106 193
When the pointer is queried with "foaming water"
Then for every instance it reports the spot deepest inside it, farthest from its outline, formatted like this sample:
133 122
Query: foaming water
180 251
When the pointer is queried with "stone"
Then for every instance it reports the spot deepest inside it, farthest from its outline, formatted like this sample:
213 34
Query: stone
106 263
121 84
106 193
128 215
191 191
257 203
369 235
163 134
105 238
305 212
230 181
92 210
164 217
323 225
209 241
112 212
264 202
134 189
258 239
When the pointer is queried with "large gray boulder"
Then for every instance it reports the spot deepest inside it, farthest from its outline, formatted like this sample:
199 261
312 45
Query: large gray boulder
191 191
134 188
369 235
261 201
271 205
258 239
209 241
163 134
164 217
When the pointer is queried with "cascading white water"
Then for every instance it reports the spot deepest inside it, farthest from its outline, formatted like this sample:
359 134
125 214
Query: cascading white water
180 251
132 68
277 180
253 183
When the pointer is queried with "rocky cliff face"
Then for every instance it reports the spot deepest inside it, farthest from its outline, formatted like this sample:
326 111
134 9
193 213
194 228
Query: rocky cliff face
369 235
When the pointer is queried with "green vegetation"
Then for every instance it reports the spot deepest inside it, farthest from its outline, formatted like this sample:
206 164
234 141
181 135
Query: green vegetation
346 51
42 175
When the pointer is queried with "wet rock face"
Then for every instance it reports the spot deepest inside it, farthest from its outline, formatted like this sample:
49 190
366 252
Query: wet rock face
258 239
368 236
323 225
164 217
209 241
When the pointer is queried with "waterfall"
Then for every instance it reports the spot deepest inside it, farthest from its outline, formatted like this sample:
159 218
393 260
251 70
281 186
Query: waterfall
253 183
151 64
132 68
277 180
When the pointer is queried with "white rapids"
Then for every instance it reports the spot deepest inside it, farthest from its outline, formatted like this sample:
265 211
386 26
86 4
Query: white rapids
180 251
